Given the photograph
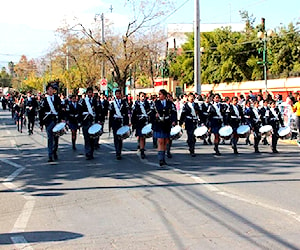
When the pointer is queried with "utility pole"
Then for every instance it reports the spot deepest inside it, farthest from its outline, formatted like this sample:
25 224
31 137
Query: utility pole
197 71
67 67
103 41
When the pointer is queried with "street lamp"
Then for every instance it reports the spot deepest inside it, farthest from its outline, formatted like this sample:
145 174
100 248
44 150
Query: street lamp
263 36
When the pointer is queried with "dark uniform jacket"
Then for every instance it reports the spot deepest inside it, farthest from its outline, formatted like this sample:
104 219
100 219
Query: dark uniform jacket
116 122
167 115
45 114
72 113
235 119
191 122
84 117
31 106
139 119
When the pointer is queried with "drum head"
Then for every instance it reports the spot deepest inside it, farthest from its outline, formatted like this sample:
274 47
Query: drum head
200 131
123 130
265 129
225 131
59 126
147 129
95 128
283 131
243 129
175 130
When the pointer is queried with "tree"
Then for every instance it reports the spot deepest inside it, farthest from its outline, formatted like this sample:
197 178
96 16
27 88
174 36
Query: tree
137 45
5 79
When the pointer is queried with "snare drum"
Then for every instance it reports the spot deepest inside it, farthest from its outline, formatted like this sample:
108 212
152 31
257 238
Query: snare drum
285 133
147 131
124 132
266 130
176 132
243 131
95 130
59 129
225 132
201 132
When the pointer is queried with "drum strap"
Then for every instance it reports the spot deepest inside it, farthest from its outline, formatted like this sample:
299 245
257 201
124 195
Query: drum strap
53 111
193 112
89 107
274 113
255 111
117 109
217 110
236 111
143 109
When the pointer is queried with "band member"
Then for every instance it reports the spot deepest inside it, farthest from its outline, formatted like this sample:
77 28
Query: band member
235 118
215 115
275 120
104 108
49 114
87 117
19 112
72 110
152 102
165 118
30 110
118 117
169 144
140 117
203 115
252 118
265 113
190 117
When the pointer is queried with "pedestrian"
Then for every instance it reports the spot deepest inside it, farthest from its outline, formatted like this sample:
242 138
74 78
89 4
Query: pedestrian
296 110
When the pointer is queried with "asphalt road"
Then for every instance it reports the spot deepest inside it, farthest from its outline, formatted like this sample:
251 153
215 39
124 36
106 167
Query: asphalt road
245 201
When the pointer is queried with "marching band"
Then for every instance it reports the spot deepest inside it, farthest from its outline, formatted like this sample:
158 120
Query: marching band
157 118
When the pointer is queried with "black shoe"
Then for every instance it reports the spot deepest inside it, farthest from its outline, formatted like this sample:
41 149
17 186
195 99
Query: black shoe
256 150
205 142
161 163
235 151
50 159
74 148
119 157
223 142
90 157
209 141
265 141
275 151
193 154
55 156
169 155
143 154
217 152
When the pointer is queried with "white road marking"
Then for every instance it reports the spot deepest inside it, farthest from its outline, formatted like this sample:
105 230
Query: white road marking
22 221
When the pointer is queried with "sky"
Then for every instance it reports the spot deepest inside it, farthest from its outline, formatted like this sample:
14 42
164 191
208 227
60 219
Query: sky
28 27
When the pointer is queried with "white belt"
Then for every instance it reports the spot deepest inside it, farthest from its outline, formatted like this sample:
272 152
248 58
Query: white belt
50 113
217 117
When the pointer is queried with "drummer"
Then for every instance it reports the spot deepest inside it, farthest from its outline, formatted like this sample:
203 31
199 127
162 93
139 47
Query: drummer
165 118
169 144
190 117
72 118
252 118
203 115
118 117
235 119
87 117
141 115
49 114
216 112
275 120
